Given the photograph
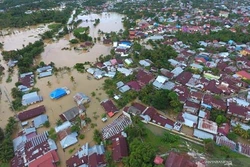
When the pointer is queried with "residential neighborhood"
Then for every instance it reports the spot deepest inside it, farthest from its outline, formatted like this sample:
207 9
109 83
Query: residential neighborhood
173 89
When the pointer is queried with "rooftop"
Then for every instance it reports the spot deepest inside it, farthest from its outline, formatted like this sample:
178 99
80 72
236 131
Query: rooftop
207 125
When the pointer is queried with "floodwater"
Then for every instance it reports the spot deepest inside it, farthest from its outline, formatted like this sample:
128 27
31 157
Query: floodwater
53 53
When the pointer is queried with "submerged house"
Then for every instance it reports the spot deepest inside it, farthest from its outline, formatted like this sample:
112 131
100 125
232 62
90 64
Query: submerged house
81 98
59 92
31 98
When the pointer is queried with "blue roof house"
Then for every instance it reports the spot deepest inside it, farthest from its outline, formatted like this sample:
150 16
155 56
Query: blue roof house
58 93
40 120
31 98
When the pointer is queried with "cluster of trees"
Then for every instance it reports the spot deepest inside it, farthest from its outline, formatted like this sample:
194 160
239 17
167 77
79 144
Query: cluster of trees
160 99
82 34
6 145
54 29
159 56
25 56
97 21
241 132
16 17
224 35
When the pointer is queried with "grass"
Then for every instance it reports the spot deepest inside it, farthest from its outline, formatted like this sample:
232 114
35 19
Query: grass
54 26
4 165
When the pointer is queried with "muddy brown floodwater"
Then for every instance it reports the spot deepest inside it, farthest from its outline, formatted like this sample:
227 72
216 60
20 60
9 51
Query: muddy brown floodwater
53 53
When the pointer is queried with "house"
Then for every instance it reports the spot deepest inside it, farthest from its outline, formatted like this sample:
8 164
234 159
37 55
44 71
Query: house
134 85
196 67
184 77
208 126
81 98
67 138
224 14
44 69
116 127
204 114
191 107
176 160
31 113
109 107
59 93
210 102
182 92
177 71
238 111
63 126
244 149
224 141
189 120
144 77
88 156
212 87
128 61
243 74
124 88
37 146
71 114
49 160
119 148
160 82
27 79
144 63
31 98
202 135
166 73
125 71
119 84
40 120
224 129
195 96
45 74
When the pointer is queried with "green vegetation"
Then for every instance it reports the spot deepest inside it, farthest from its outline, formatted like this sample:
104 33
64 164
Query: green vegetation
81 33
81 136
25 56
80 67
160 99
16 17
97 136
74 41
47 124
97 21
52 134
6 145
54 28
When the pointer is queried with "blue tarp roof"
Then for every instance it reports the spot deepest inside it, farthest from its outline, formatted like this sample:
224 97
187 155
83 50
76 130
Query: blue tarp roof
57 93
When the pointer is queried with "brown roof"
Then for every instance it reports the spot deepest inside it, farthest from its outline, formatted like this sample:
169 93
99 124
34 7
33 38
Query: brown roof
109 106
212 87
139 106
214 102
184 77
144 77
175 160
237 109
63 133
196 95
192 104
120 148
31 113
48 160
95 160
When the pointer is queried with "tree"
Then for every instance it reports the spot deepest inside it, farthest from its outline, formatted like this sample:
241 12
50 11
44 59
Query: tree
75 128
97 136
58 122
1 135
232 136
72 79
220 119
237 129
141 154
16 93
245 134
170 138
47 124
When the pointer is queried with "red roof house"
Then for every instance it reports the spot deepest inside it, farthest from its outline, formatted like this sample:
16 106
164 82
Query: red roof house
120 148
31 113
243 74
176 160
109 107
47 160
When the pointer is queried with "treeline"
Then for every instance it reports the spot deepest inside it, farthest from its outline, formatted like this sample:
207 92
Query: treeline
6 145
16 17
223 35
25 56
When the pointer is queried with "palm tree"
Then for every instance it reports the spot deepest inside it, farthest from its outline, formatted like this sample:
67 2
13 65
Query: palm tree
49 83
245 134
72 79
237 129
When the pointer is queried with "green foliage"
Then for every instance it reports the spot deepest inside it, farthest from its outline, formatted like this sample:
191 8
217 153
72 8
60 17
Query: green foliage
59 122
47 124
15 93
93 94
88 120
97 136
74 41
167 137
220 119
141 154
1 134
160 99
79 67
82 34
209 145
52 134
232 136
81 136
